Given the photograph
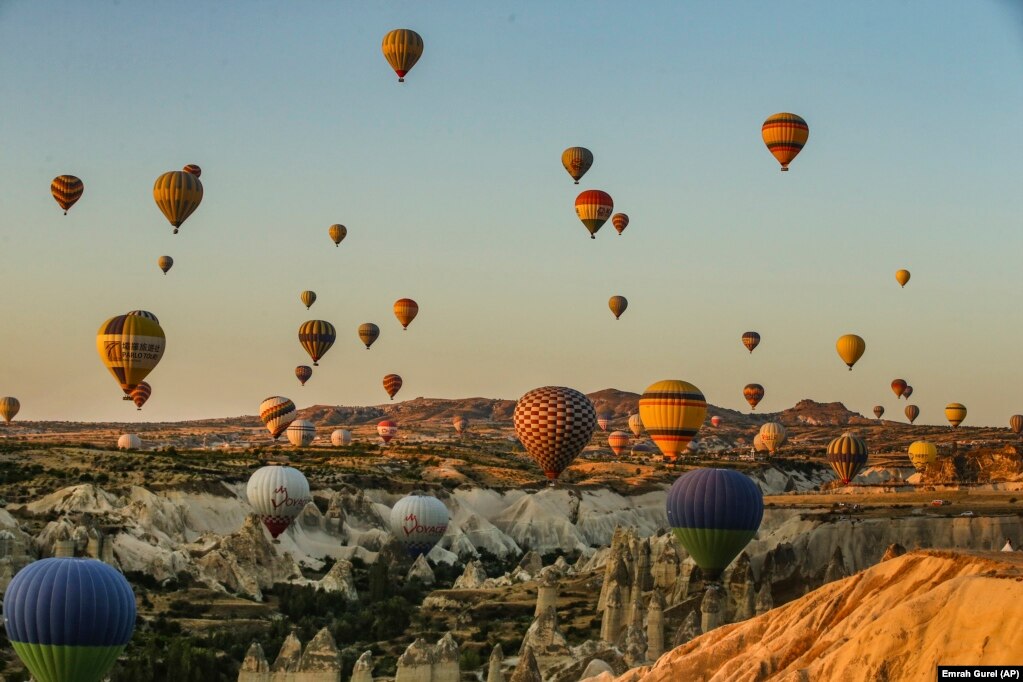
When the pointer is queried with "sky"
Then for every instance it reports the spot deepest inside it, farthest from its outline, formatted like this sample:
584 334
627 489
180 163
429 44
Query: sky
453 193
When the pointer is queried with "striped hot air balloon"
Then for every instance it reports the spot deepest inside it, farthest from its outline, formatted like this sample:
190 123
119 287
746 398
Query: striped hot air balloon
617 304
387 430
753 393
714 513
140 394
554 424
1015 422
751 340
577 160
66 190
402 48
785 134
847 454
636 425
340 437
277 494
594 207
773 435
392 384
277 412
177 195
301 433
143 313
308 298
912 412
405 309
878 411
418 522
316 336
618 441
461 424
922 453
130 346
899 387
620 222
337 233
303 373
902 277
672 412
69 619
9 407
165 263
603 420
850 348
129 441
368 333
955 413
193 169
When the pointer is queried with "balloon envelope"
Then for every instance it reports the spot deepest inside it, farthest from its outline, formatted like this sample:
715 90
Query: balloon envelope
316 336
620 221
340 437
751 340
337 233
922 453
618 441
129 441
577 160
1015 423
387 430
902 276
594 207
785 135
165 263
392 384
140 394
193 170
405 309
278 494
636 424
402 48
277 412
878 411
460 423
554 424
850 348
418 522
912 412
177 195
130 346
66 190
715 421
955 413
307 298
772 434
9 407
847 454
368 333
753 393
617 304
672 412
301 432
899 387
304 373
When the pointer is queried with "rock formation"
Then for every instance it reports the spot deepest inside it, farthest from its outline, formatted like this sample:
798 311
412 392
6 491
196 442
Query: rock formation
472 577
289 657
611 623
594 668
530 564
339 579
363 670
421 571
445 660
633 644
655 626
689 630
765 601
836 567
255 661
527 670
494 672
543 637
424 663
546 591
321 654
894 550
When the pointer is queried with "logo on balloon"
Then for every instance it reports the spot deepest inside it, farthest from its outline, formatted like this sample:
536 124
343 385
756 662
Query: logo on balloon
281 499
417 527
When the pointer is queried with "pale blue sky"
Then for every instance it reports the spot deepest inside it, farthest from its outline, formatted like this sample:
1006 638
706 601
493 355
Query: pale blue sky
454 195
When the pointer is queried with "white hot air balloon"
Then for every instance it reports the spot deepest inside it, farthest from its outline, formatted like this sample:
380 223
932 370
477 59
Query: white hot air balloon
278 494
301 433
341 437
419 521
129 441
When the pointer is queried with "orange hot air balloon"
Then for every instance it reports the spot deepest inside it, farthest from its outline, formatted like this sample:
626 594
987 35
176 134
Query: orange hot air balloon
368 333
715 421
177 195
577 160
392 384
193 169
753 393
751 340
1016 423
402 48
618 441
66 189
594 207
620 222
304 373
617 304
902 276
337 233
785 134
140 394
405 309
850 348
912 412
899 387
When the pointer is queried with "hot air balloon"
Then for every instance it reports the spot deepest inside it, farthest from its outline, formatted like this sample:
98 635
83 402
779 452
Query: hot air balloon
714 513
955 413
603 420
644 448
594 208
177 194
387 430
922 453
672 412
577 160
899 387
461 424
847 454
66 189
392 384
617 304
340 437
785 134
402 48
278 494
635 424
405 309
554 424
1015 421
912 412
418 522
878 411
307 298
715 421
618 440
850 348
337 233
304 373
751 340
758 444
753 393
908 392
165 263
129 441
193 169
130 346
773 435
277 412
143 313
140 394
69 619
620 222
301 433
902 276
316 336
9 407
368 333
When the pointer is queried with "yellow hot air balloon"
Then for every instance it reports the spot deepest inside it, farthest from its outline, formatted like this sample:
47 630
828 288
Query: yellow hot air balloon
307 298
955 413
9 407
922 453
316 336
636 424
902 276
165 263
785 134
337 233
617 304
772 435
177 194
130 346
577 160
850 348
405 309
368 333
672 412
402 48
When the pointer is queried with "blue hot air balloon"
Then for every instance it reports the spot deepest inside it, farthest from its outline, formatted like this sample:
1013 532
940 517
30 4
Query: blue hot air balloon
714 514
69 619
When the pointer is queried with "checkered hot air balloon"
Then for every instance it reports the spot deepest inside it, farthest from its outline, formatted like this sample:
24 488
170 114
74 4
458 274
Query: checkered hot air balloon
554 424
